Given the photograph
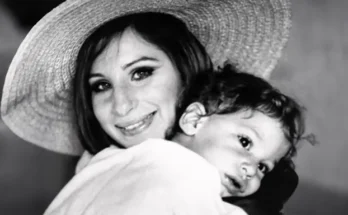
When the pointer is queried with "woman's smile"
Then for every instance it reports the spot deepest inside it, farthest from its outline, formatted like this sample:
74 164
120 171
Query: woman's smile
134 128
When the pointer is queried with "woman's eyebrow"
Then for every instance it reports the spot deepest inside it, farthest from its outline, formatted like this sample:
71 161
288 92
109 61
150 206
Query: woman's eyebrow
143 58
94 75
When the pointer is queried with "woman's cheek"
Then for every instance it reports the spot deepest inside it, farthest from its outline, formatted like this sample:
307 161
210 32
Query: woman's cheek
100 107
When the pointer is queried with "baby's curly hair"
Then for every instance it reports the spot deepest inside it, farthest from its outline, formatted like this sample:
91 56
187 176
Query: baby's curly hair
228 91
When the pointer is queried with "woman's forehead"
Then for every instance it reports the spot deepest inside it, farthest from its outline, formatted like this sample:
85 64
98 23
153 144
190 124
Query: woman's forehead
126 48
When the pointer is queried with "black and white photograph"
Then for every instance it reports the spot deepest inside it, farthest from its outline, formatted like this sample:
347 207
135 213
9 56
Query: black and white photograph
162 107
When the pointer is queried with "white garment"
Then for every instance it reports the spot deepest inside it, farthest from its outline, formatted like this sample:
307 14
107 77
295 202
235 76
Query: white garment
156 177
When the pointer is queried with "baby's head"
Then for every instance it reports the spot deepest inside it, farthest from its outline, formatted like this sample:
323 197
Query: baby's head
241 125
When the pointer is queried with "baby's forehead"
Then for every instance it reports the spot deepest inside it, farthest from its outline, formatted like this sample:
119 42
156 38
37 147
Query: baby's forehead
259 120
276 151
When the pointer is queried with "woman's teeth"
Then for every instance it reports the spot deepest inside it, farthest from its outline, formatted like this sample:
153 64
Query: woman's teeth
134 125
138 126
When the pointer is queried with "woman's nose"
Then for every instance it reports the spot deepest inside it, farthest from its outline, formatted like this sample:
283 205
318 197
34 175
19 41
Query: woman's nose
123 101
249 170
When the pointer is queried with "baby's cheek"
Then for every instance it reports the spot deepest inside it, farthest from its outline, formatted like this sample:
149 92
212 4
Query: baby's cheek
253 185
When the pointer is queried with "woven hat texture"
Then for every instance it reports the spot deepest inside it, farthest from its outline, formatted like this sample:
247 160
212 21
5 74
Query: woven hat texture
36 102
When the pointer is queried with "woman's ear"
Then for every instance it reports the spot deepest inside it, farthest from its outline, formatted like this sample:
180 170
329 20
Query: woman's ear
192 119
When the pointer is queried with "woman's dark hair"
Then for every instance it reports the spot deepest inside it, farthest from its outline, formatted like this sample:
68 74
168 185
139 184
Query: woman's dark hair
164 31
228 91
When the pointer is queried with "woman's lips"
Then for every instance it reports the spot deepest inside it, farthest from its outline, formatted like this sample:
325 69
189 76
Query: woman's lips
137 127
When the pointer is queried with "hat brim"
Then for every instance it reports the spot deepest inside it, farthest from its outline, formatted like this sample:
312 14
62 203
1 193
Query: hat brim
36 102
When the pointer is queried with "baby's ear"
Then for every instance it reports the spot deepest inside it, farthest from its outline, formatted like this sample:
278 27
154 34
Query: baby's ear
192 119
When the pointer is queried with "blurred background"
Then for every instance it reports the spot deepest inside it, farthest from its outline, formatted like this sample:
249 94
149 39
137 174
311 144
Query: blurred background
313 69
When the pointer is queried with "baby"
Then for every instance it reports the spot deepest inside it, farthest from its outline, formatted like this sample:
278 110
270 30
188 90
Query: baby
233 128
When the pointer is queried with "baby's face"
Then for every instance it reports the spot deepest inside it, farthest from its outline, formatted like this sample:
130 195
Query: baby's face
243 146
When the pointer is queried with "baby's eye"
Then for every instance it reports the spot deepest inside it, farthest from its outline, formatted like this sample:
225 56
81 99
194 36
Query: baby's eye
100 86
141 73
245 141
263 168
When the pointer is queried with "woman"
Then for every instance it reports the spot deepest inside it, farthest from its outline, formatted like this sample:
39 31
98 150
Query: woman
37 98
154 58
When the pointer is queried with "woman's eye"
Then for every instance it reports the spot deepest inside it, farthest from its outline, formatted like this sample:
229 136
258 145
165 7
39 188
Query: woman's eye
245 141
100 86
142 73
263 168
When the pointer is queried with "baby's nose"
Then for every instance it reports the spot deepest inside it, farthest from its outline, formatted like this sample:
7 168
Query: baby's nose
249 170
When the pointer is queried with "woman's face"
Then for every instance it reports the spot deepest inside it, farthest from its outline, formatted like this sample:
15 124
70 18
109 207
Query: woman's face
135 87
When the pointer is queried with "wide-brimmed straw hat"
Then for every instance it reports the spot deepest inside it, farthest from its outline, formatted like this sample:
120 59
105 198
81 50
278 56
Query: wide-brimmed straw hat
37 96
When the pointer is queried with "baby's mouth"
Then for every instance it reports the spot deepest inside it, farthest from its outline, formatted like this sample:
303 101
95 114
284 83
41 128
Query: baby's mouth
137 127
235 184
